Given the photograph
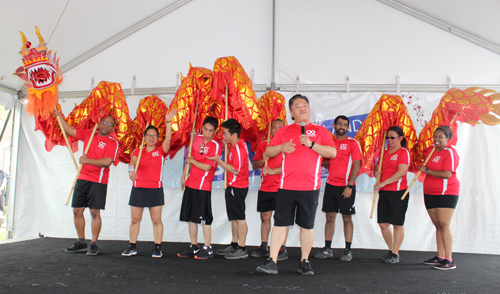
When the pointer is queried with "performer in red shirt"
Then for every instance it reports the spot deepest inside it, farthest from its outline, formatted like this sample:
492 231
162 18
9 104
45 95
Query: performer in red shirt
91 186
266 198
196 205
391 209
147 187
441 190
340 188
237 189
302 145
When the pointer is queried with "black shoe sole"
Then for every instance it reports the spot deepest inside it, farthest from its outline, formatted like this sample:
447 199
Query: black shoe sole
77 251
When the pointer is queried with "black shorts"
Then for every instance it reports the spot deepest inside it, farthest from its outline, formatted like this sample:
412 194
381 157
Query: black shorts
235 203
298 206
196 206
333 200
266 201
391 209
89 194
440 201
146 197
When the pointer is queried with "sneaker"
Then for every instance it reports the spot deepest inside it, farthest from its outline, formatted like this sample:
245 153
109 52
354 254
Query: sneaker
385 256
305 268
238 254
190 252
346 255
77 247
283 255
394 258
260 252
433 261
205 253
228 249
93 249
446 265
157 253
129 252
324 253
269 267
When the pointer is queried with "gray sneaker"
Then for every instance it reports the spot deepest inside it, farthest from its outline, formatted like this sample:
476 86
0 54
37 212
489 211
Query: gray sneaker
346 255
77 247
93 249
228 249
324 253
282 255
269 267
392 259
260 252
238 254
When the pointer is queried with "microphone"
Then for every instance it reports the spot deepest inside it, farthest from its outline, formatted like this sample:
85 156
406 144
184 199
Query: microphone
303 129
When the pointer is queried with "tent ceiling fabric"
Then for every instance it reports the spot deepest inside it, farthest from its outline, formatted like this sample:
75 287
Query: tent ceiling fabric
86 24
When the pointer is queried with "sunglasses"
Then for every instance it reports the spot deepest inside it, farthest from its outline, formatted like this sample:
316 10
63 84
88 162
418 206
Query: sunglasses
392 138
107 124
202 145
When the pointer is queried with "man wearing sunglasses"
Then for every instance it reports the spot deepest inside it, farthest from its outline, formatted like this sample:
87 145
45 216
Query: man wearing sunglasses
91 186
340 188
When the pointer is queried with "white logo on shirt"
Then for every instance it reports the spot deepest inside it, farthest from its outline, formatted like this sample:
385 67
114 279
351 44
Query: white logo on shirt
394 157
156 153
205 150
343 146
311 133
102 145
436 159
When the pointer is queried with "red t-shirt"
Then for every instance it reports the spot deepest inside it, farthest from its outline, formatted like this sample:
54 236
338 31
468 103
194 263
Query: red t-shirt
446 159
348 150
238 158
199 179
150 170
100 147
301 169
390 165
269 183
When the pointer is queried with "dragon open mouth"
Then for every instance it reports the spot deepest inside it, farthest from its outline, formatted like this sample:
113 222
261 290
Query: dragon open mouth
41 75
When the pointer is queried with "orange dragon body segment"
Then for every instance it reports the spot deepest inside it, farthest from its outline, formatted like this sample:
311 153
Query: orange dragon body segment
151 111
389 111
42 75
242 102
193 90
272 107
472 105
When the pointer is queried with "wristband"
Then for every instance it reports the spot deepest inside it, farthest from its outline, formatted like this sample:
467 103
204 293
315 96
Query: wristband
131 168
312 145
168 121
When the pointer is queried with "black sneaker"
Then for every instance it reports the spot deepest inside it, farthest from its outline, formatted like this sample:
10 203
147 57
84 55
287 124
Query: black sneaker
190 252
324 253
129 252
269 267
77 247
238 254
157 253
385 256
346 255
93 249
283 254
205 253
393 258
305 268
228 249
261 252
433 261
446 265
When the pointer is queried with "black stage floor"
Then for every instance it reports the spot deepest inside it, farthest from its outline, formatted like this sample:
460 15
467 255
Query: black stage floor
42 266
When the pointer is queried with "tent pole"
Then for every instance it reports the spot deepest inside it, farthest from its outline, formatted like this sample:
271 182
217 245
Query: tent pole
11 203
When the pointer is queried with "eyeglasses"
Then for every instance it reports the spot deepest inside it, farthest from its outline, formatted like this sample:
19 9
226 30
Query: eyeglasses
107 124
202 145
342 125
392 138
151 136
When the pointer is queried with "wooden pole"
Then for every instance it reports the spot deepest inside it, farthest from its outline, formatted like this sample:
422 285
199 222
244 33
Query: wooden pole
80 166
190 150
140 149
425 163
382 149
67 142
226 150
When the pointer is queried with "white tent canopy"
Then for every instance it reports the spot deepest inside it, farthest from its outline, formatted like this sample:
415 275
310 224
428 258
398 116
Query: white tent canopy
316 46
